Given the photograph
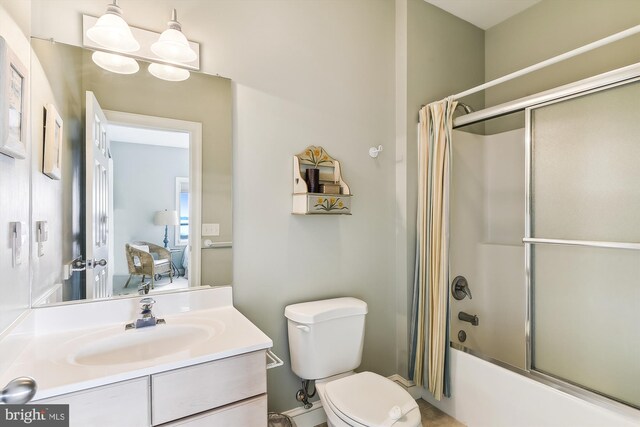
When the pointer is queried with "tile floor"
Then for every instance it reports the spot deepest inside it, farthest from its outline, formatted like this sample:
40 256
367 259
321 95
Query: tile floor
431 417
434 417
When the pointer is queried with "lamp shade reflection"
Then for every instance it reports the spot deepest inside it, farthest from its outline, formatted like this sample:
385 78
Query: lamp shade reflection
115 63
169 73
166 218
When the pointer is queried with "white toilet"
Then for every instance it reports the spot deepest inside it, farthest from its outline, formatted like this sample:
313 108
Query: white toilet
325 344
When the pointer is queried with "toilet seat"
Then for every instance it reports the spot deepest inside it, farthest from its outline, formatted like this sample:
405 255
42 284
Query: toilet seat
370 400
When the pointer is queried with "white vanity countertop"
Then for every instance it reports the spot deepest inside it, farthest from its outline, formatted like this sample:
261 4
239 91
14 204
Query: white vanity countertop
49 357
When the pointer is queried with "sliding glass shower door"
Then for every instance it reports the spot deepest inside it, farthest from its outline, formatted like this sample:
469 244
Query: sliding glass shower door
583 240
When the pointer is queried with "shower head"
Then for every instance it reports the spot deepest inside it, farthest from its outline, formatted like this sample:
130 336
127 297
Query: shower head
465 107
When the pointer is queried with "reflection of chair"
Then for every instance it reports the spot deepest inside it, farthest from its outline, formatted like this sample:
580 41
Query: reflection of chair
142 263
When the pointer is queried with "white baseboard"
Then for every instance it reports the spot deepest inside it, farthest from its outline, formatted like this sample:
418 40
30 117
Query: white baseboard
316 415
308 417
410 386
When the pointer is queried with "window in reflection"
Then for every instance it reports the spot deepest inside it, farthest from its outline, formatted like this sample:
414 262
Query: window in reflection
182 206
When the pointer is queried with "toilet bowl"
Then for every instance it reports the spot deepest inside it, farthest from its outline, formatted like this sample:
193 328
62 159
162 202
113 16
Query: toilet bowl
367 400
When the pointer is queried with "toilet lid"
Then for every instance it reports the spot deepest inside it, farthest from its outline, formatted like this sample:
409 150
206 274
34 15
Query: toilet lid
372 400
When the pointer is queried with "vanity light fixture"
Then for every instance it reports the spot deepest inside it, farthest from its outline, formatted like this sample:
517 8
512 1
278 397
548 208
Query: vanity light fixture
115 63
112 32
168 72
172 45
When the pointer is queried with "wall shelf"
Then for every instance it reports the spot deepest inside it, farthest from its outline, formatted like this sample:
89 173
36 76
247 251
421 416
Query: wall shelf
336 201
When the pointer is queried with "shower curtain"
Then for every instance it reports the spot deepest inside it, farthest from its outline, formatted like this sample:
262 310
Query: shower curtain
429 352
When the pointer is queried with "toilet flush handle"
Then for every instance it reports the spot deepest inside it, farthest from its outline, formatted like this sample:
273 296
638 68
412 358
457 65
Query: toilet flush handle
303 328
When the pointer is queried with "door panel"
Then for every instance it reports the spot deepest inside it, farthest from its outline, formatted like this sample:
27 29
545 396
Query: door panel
98 203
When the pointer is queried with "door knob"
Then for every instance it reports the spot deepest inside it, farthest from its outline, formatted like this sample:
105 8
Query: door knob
101 263
19 391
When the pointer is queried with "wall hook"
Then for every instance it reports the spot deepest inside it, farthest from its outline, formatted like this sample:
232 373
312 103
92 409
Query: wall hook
373 151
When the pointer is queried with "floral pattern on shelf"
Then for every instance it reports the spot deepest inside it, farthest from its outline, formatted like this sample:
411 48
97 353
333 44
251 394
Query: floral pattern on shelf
333 198
329 204
316 156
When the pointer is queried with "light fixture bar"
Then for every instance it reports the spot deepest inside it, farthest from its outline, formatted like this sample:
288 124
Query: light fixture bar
146 38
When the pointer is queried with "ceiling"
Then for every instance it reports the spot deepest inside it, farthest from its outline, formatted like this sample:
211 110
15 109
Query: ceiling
483 13
138 135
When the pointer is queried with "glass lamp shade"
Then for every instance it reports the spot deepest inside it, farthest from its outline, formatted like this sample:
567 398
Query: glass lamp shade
169 73
166 218
173 46
115 63
113 33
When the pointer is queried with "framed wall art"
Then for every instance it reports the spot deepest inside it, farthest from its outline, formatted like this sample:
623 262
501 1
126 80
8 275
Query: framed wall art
14 112
52 160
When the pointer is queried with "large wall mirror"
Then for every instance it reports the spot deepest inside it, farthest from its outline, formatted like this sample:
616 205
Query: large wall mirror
126 170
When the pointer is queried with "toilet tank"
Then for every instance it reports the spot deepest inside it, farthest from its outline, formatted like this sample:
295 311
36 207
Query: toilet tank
326 336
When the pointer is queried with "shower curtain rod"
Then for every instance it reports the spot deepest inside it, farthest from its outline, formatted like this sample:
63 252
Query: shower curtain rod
619 75
586 48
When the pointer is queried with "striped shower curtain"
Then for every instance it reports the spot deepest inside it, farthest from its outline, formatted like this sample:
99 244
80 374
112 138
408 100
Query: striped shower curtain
429 352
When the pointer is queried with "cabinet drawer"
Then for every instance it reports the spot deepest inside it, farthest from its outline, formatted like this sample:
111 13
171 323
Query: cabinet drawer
250 412
123 404
318 203
187 391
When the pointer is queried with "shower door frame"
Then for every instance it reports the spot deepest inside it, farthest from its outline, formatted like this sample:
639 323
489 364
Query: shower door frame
561 384
610 79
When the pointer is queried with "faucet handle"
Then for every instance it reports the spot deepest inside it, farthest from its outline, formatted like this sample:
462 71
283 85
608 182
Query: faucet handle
147 303
460 288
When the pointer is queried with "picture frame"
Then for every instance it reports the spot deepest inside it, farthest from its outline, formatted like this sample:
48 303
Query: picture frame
14 98
52 159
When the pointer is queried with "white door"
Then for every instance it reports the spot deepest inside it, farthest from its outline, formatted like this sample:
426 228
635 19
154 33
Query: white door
98 203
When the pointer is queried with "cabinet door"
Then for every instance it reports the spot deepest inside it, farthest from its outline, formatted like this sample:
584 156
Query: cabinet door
123 404
188 391
250 412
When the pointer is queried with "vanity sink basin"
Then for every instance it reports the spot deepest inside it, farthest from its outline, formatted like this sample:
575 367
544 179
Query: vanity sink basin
117 347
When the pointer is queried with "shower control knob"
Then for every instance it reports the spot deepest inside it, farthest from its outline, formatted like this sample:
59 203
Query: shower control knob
460 288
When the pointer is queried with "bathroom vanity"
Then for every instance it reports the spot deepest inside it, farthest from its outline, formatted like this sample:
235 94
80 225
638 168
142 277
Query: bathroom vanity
205 366
229 391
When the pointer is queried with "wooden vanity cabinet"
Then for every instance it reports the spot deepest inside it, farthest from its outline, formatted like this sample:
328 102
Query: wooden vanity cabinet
247 413
227 392
122 404
199 388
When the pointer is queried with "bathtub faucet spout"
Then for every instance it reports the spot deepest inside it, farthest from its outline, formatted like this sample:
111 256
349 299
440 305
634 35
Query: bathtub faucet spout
471 318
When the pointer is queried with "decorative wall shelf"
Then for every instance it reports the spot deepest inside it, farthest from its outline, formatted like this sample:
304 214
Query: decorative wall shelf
333 196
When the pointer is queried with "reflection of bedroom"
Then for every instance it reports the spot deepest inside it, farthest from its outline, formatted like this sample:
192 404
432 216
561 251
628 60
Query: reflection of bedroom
150 174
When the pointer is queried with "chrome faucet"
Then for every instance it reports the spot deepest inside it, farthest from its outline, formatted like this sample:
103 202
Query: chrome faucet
147 319
143 288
